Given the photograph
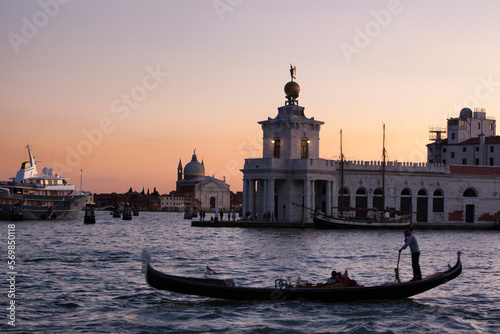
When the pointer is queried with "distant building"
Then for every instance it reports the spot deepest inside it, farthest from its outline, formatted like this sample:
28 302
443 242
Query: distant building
111 200
142 201
291 174
172 202
146 202
471 140
236 201
208 192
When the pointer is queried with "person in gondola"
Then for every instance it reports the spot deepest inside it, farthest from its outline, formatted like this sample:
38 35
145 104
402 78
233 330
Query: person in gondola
336 279
333 278
411 241
347 281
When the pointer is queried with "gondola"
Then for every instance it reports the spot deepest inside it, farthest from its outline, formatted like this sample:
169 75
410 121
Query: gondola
225 289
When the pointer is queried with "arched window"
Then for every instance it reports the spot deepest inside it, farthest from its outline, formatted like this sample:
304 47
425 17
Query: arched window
438 201
470 192
344 200
378 200
405 204
344 191
422 205
361 203
361 191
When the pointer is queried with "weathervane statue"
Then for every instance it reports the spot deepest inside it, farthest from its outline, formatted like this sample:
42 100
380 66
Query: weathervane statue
292 88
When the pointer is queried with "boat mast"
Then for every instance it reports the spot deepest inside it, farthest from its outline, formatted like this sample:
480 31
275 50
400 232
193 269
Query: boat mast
341 176
383 170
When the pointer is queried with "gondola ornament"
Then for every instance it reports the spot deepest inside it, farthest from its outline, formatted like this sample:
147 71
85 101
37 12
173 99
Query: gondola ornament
146 258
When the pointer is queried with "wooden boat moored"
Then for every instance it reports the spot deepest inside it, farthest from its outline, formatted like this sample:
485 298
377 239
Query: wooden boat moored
322 221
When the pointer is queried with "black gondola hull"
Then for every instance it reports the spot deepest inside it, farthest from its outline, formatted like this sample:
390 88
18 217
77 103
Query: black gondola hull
219 289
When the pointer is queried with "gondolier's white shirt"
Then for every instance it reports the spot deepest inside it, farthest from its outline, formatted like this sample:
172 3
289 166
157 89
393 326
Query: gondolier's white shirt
412 242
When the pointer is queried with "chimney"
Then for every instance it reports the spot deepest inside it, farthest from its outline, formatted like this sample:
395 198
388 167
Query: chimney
482 139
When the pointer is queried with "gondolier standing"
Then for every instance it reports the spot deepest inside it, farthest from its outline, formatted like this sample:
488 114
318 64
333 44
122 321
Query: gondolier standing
411 241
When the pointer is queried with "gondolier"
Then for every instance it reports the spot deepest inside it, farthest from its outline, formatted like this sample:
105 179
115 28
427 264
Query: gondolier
411 241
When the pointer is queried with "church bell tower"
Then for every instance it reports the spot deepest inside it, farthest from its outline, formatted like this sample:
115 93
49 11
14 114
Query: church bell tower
291 135
179 171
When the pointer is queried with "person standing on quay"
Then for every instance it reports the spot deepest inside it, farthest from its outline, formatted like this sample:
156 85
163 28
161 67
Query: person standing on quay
411 241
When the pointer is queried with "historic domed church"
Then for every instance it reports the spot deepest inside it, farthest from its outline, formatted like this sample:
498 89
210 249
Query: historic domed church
210 192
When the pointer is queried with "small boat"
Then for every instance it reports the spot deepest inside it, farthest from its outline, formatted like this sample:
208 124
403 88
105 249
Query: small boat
282 291
395 219
30 196
323 221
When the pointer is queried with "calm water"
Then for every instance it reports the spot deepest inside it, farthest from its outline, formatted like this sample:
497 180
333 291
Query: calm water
73 277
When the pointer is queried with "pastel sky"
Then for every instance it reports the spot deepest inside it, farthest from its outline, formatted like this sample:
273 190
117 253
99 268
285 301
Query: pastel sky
123 89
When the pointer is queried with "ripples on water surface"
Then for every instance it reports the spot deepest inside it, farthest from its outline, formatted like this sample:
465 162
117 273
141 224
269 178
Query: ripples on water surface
87 278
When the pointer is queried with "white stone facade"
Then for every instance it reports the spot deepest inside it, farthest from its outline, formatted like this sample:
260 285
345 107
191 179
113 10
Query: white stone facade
209 192
291 174
213 193
471 140
172 203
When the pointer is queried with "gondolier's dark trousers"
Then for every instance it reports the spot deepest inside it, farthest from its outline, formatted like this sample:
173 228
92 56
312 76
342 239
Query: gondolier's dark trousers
415 265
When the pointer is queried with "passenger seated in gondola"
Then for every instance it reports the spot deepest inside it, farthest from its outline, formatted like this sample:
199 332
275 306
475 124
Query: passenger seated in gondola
347 281
336 278
339 280
332 278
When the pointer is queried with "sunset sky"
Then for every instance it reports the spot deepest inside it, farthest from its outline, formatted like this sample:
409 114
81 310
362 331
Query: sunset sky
123 89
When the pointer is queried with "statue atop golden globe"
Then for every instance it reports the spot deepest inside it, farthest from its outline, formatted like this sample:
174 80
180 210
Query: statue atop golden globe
292 88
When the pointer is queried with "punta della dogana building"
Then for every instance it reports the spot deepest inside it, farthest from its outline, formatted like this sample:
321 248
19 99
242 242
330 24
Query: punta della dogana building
459 184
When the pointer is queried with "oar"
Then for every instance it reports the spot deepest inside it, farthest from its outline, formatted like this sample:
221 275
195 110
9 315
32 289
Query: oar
396 270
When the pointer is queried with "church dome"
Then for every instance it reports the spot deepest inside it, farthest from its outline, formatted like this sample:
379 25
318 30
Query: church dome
194 169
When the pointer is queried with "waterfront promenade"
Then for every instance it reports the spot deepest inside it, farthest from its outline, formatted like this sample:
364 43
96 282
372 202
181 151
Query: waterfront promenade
268 224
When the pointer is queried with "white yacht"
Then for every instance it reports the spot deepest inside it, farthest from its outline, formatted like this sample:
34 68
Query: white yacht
29 196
